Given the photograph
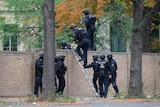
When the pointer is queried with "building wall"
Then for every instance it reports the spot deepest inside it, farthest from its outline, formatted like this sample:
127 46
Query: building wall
17 73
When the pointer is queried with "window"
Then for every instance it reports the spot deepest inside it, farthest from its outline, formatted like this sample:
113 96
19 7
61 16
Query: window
10 37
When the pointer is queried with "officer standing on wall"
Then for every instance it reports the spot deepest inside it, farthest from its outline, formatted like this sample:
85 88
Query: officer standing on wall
90 26
83 42
113 74
60 73
94 65
103 76
38 74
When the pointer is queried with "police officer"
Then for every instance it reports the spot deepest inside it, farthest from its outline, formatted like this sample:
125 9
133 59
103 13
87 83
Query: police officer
90 28
38 74
103 76
60 73
65 45
83 42
94 65
113 73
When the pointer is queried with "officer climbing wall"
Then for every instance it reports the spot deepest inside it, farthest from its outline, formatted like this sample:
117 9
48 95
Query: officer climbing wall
83 43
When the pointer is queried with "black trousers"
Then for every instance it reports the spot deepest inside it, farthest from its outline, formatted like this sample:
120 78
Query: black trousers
83 44
113 82
61 83
90 35
95 78
38 84
103 84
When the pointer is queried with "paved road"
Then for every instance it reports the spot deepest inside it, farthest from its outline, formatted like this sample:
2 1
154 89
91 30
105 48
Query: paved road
98 104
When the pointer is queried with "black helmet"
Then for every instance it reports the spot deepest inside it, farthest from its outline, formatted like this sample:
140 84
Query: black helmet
73 26
85 11
41 55
95 57
56 58
109 56
102 57
63 42
60 57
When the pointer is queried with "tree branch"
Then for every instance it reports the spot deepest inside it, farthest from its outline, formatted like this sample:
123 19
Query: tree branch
147 19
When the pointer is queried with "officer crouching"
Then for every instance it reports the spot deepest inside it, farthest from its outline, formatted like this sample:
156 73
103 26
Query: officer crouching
65 45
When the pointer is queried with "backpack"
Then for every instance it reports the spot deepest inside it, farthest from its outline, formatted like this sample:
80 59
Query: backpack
102 65
81 33
92 19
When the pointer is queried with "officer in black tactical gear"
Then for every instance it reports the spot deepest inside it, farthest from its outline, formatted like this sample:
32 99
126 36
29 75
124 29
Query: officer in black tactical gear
94 65
38 74
103 76
60 73
113 74
65 45
90 26
83 43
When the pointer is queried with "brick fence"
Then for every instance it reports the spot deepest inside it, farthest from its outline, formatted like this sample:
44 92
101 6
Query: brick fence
17 73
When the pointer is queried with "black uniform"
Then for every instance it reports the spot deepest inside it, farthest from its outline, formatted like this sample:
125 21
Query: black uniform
60 73
65 45
90 28
113 69
38 74
83 43
94 65
103 76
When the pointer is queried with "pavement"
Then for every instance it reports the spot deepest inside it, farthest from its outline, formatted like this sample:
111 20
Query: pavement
81 102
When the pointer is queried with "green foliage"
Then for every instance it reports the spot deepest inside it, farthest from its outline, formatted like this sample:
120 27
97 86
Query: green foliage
66 34
156 96
28 15
57 2
121 24
31 98
62 98
4 103
2 22
59 98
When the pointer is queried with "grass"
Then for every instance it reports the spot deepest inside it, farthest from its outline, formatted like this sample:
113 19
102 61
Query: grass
59 98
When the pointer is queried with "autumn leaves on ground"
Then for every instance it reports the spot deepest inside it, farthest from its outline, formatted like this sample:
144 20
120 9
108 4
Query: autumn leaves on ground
65 99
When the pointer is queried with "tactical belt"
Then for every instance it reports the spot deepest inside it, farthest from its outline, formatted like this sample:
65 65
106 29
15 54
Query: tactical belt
102 71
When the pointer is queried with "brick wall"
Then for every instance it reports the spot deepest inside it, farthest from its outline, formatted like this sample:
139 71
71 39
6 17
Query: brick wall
17 73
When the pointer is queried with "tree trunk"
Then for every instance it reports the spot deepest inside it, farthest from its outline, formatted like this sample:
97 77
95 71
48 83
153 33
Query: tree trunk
135 83
147 39
140 25
147 34
49 50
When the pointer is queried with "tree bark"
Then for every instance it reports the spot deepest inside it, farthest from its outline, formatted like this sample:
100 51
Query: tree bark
135 83
49 50
147 34
138 31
